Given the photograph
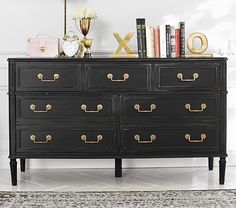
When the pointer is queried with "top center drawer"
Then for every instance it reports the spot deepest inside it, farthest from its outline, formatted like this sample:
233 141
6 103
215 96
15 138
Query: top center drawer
118 77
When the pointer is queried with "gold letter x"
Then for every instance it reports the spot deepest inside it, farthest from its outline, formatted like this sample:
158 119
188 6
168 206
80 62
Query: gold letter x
123 43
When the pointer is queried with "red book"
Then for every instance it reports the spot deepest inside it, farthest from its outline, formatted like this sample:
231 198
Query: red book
177 42
157 42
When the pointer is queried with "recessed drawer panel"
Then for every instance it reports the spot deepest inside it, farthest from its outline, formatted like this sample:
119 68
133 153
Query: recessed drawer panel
65 139
94 108
118 77
188 76
178 138
171 106
48 77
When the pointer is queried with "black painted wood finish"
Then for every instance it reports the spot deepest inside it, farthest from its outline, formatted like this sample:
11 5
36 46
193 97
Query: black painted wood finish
117 108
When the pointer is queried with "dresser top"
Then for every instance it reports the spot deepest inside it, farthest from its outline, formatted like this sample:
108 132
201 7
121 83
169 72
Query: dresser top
116 59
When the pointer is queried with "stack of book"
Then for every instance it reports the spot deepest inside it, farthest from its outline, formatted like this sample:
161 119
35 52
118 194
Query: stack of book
165 41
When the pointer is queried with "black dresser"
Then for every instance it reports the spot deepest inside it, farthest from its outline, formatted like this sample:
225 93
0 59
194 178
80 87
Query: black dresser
117 108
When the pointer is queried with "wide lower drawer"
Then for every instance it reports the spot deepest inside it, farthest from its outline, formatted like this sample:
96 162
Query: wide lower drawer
86 139
170 106
53 76
87 107
179 138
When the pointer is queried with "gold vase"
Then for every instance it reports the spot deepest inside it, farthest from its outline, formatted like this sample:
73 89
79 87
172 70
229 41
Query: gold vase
85 24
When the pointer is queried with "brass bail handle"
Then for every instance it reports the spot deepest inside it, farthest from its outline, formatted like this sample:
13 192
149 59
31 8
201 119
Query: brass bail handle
84 138
202 138
152 108
152 138
125 77
181 77
55 77
47 139
47 108
84 108
188 107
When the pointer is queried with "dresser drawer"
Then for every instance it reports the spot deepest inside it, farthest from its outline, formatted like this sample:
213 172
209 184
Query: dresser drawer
187 75
41 139
178 138
93 108
48 77
118 77
170 106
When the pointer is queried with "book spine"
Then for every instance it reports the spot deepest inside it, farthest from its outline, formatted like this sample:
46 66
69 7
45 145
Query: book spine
162 41
182 39
150 41
172 41
144 41
157 42
177 42
139 37
168 43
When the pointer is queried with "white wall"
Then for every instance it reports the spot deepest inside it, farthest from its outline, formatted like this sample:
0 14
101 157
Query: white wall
22 19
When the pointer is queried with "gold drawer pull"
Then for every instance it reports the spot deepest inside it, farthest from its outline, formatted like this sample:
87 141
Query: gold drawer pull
84 107
110 77
188 107
47 139
152 108
55 77
33 107
181 77
84 138
188 137
152 138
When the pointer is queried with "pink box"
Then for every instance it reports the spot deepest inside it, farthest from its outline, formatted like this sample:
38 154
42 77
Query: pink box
43 47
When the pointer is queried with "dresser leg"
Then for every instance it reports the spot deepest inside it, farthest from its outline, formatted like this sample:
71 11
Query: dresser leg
210 163
22 165
13 166
118 167
222 164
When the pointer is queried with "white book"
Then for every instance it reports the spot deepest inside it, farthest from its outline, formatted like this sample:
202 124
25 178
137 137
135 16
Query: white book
172 42
150 42
162 41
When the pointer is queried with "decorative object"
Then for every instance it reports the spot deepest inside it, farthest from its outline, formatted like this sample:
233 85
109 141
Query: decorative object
70 45
197 52
43 46
116 108
123 44
84 21
125 199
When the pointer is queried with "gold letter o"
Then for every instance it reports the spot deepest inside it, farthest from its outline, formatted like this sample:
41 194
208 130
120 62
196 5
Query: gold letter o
204 43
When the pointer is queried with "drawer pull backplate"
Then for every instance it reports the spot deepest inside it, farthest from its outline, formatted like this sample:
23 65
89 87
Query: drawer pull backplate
152 108
203 107
47 108
47 139
55 77
84 138
181 77
84 108
202 137
125 77
152 138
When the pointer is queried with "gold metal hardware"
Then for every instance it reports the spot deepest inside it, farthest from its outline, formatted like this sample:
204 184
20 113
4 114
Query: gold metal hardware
55 77
188 137
181 77
33 107
84 107
152 108
47 139
152 138
110 77
84 138
188 107
42 49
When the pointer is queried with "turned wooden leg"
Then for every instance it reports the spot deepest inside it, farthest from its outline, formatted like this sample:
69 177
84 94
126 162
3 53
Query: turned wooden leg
22 165
13 166
210 163
222 164
118 167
